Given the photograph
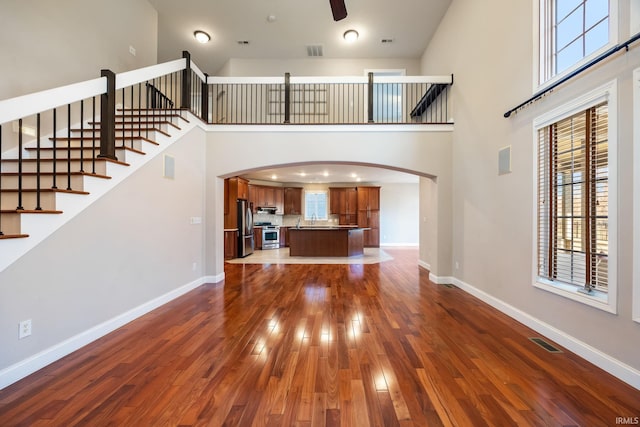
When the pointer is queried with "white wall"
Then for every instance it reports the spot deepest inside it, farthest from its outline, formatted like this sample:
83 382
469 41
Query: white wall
399 213
46 44
493 216
132 246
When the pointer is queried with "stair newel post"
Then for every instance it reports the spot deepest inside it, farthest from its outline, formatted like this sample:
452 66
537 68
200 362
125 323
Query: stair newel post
204 114
82 135
20 207
38 207
186 82
287 97
108 118
93 136
370 99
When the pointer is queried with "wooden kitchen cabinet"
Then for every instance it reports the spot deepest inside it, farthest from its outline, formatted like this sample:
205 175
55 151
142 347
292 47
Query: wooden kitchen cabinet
266 196
369 214
343 202
284 237
257 237
234 188
230 244
293 201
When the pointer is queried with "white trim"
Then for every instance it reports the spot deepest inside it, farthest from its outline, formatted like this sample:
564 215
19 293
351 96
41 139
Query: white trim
400 245
606 92
131 78
27 105
636 195
615 367
598 300
38 361
330 79
424 265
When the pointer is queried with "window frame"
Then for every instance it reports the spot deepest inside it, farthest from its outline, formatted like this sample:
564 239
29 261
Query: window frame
308 217
600 300
544 74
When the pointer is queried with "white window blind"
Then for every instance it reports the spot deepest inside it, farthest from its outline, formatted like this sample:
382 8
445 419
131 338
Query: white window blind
573 208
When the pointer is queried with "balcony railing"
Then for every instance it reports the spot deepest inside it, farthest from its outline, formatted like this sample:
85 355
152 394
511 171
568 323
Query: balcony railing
329 100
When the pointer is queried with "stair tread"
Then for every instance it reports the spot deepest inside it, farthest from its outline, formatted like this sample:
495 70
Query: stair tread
97 159
95 175
123 129
118 147
13 236
30 211
146 122
43 190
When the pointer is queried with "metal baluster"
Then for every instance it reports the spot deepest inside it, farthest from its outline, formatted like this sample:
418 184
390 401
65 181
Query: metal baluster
139 115
19 207
82 135
38 207
55 154
68 146
93 136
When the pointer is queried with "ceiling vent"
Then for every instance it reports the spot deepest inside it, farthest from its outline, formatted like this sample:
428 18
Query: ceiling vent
243 42
386 41
314 50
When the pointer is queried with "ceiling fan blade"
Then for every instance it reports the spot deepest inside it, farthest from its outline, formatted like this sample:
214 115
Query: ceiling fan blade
338 9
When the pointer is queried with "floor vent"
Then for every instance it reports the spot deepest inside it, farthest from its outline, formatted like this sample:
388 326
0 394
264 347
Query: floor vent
447 285
542 343
315 50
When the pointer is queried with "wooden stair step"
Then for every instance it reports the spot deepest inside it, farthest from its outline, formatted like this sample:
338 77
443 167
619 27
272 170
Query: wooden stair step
136 115
13 236
74 149
144 122
89 139
122 129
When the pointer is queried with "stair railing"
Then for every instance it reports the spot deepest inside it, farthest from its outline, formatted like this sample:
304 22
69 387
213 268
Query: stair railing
35 123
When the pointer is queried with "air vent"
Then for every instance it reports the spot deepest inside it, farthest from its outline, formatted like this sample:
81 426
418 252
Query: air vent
386 41
243 42
542 343
314 50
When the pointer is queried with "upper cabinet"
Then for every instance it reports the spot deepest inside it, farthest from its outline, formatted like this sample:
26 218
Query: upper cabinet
234 188
369 214
263 196
293 201
343 201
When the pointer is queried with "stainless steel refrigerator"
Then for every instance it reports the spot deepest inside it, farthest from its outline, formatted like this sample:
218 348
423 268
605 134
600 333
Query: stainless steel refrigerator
245 229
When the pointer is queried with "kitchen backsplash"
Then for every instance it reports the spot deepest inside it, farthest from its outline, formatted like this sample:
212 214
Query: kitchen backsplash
291 220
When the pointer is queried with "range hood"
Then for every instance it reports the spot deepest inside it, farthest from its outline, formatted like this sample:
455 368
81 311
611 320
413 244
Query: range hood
267 209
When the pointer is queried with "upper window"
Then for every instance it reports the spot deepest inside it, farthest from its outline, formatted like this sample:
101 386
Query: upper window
570 31
576 193
315 205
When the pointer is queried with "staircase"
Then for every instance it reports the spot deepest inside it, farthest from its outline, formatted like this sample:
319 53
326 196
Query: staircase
31 183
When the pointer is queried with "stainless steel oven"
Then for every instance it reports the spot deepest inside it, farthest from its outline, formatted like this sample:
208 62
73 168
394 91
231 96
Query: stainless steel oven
270 237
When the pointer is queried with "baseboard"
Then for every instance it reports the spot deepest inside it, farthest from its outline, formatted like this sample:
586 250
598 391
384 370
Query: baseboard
615 367
38 361
213 279
424 265
399 245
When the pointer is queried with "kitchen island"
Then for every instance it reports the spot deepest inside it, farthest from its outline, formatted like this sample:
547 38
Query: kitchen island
326 241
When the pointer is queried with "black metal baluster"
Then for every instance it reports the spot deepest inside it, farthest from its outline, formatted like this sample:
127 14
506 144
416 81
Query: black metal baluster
38 207
68 146
93 136
54 166
139 115
20 207
82 135
140 108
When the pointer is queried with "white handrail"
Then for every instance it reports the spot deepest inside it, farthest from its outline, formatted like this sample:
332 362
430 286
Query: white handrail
130 78
27 105
330 79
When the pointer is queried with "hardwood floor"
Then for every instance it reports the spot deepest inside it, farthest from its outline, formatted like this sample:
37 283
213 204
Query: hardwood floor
320 345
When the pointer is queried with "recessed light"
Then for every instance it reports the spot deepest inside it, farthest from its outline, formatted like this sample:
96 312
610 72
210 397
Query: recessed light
274 176
350 36
272 18
201 36
303 174
325 173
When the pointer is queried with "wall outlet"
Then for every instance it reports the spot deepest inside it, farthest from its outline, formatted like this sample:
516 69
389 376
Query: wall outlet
25 329
194 266
457 265
132 50
195 220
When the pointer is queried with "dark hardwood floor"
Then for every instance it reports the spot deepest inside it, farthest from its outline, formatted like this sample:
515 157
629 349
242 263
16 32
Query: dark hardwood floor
320 345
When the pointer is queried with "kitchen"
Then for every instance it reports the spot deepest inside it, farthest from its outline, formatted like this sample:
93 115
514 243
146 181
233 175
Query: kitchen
312 200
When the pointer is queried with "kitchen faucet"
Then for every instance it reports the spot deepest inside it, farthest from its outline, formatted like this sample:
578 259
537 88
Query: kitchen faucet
313 218
298 223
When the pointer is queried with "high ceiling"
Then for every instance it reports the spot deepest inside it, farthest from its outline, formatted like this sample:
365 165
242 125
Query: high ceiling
410 24
282 29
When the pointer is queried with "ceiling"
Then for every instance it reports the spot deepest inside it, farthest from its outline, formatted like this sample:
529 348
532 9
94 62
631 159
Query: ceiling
294 25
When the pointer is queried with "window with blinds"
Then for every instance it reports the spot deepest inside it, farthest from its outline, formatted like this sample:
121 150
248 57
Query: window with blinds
315 205
573 202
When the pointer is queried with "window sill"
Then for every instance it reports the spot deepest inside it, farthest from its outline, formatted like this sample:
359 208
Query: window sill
598 299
